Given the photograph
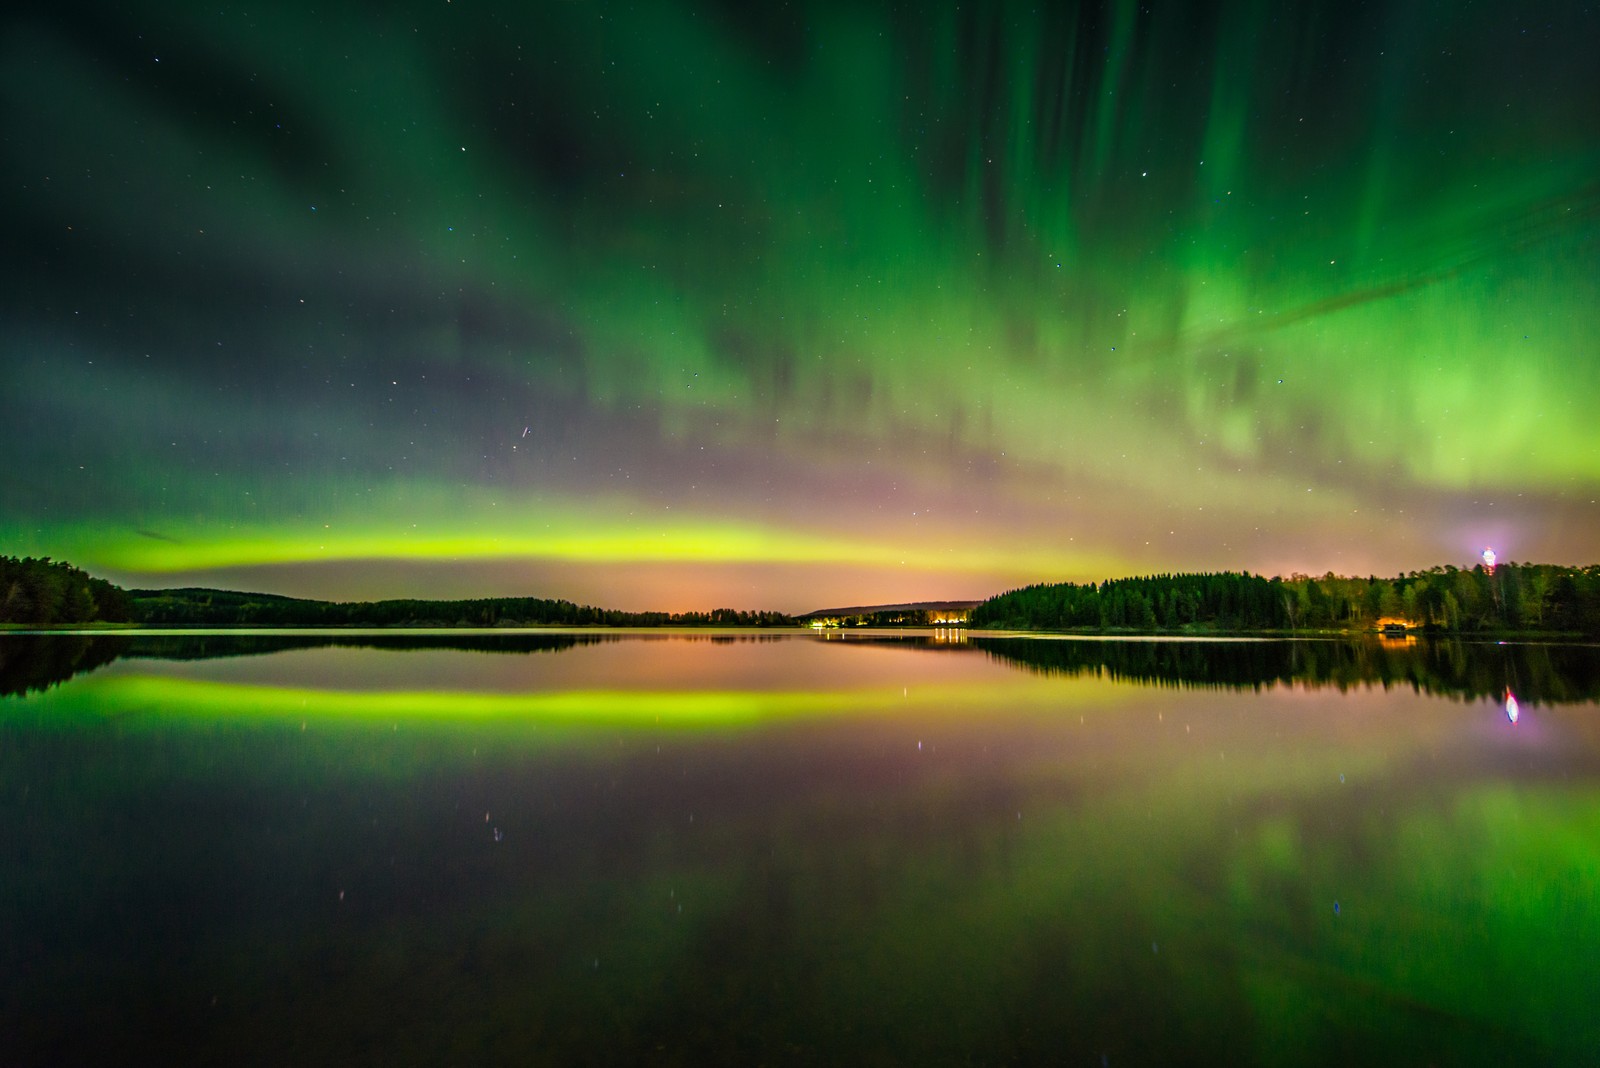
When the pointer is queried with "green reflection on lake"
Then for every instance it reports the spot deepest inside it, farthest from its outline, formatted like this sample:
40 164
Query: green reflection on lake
795 851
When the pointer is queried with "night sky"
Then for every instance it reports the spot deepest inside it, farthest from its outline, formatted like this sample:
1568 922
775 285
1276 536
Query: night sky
677 306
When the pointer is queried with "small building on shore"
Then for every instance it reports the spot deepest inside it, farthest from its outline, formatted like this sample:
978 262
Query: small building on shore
913 614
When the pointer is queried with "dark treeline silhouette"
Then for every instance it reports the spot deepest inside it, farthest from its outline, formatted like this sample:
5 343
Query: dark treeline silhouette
1231 600
1538 598
202 607
41 592
1512 597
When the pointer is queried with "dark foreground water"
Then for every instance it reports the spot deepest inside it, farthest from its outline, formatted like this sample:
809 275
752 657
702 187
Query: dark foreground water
684 849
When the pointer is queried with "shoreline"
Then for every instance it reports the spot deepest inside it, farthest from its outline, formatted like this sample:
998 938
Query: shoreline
1101 634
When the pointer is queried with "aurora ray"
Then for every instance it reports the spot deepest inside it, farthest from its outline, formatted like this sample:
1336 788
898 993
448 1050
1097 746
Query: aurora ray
777 308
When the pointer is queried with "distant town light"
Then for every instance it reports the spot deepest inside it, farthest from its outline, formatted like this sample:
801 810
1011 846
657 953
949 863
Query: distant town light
1488 558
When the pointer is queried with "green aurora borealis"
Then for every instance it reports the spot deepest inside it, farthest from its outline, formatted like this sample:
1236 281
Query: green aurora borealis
668 306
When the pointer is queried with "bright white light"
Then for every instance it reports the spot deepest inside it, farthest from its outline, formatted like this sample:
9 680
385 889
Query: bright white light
1488 559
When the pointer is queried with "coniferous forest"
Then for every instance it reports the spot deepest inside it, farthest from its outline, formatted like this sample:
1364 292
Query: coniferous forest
1512 597
41 592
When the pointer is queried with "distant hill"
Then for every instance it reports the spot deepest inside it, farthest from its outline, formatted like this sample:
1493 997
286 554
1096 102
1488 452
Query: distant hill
206 607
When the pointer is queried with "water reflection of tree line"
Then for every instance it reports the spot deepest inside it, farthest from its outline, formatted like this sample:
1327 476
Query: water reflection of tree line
1537 673
38 661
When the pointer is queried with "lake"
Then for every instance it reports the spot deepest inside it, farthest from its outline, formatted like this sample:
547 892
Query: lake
750 848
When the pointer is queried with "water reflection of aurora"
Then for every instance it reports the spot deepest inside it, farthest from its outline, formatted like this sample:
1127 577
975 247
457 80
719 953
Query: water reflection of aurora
1030 865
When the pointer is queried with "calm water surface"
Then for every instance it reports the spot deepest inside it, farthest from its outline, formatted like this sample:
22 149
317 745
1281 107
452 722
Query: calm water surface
781 849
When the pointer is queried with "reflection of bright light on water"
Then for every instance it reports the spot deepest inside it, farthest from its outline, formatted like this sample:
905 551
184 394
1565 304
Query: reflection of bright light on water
1511 706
